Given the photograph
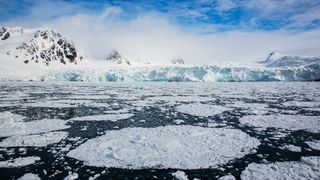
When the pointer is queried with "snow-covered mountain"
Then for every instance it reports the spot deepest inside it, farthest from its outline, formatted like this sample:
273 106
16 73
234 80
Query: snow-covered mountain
47 55
38 46
276 59
117 58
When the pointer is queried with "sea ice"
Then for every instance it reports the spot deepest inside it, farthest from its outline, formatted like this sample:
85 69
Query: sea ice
29 176
204 110
33 140
181 147
181 98
306 168
290 122
103 117
315 144
18 162
178 121
227 177
255 108
50 104
72 176
302 104
292 148
180 175
13 124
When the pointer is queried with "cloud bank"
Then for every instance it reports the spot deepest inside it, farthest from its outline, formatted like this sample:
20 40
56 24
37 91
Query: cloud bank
159 37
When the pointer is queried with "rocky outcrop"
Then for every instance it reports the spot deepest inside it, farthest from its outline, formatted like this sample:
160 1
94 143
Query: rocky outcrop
177 61
39 46
48 46
4 33
116 57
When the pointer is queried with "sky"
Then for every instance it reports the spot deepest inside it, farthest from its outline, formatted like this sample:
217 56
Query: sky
199 31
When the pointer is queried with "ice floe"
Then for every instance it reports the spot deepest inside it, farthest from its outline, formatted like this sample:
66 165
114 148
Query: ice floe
289 122
315 144
204 110
29 176
181 147
308 104
306 168
227 177
103 117
178 121
19 162
254 108
61 103
71 176
292 148
14 124
180 175
181 98
34 140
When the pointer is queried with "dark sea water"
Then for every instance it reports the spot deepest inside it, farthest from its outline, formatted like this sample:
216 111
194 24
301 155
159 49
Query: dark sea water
154 105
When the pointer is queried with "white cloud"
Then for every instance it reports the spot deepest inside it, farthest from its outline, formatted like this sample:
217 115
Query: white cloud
154 36
295 13
306 17
225 5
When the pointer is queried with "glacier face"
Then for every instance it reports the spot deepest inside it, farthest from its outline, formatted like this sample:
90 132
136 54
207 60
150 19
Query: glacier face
189 74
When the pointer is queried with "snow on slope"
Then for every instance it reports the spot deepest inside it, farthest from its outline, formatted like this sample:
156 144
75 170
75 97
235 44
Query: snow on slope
46 55
275 59
29 52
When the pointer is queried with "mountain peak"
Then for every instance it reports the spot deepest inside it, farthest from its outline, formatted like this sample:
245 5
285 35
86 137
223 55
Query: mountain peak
43 45
178 61
273 56
116 57
275 59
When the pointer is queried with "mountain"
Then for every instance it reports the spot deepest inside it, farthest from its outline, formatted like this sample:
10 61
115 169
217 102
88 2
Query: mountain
38 46
178 61
275 59
117 58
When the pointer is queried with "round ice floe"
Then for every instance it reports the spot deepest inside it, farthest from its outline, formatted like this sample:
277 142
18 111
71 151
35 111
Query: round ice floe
204 110
181 147
306 168
290 122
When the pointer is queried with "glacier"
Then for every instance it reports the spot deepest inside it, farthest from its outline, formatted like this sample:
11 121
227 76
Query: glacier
205 73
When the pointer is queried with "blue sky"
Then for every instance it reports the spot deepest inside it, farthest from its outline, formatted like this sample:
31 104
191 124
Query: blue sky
207 15
199 31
